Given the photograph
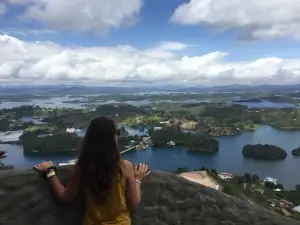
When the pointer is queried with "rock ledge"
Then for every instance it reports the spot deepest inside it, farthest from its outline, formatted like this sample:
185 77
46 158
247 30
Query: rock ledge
25 199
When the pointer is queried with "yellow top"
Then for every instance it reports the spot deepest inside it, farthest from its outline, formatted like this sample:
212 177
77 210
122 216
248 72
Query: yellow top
113 212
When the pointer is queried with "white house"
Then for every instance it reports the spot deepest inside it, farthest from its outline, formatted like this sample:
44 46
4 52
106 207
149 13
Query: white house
172 143
225 176
157 128
297 209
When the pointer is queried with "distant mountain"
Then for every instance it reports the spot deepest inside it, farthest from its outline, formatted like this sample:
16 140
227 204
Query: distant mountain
246 88
84 90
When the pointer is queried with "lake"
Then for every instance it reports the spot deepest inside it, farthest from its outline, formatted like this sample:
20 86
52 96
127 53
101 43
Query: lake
266 104
60 102
229 158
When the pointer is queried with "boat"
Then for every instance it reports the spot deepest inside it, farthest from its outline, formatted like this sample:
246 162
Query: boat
68 163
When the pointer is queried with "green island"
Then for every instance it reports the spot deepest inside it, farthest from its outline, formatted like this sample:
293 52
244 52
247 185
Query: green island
251 188
296 151
194 142
58 142
269 98
264 152
24 97
193 124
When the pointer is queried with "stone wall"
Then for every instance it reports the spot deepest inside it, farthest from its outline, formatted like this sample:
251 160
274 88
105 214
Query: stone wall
25 199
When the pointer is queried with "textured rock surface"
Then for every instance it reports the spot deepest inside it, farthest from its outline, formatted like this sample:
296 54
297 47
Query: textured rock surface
25 199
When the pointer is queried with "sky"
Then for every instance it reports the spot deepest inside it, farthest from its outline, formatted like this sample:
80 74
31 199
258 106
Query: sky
149 42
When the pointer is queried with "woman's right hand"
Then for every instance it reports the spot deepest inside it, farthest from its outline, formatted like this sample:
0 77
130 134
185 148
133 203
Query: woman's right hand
141 171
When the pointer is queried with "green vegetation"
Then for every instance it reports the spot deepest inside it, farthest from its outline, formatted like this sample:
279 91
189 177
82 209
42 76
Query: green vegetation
18 112
4 124
250 187
10 119
286 118
2 165
143 120
160 97
194 142
234 115
60 142
22 97
269 98
41 129
180 170
296 151
204 119
265 152
214 119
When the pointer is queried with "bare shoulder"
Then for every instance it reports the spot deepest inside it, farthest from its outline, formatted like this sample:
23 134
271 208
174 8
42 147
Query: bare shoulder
127 167
127 164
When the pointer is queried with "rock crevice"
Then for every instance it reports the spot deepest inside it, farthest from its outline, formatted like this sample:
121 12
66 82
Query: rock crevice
25 199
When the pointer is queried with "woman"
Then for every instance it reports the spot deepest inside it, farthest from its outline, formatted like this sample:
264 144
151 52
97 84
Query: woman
111 185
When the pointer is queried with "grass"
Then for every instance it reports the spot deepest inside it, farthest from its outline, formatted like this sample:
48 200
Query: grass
45 128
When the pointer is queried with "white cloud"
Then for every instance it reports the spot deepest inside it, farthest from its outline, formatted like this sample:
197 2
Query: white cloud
173 46
97 16
258 19
3 9
47 62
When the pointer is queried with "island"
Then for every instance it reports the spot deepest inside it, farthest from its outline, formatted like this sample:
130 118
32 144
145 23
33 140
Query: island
201 121
264 152
174 137
296 151
49 139
57 142
251 100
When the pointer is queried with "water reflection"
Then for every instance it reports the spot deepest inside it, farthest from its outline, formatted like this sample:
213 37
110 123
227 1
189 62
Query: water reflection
266 104
229 158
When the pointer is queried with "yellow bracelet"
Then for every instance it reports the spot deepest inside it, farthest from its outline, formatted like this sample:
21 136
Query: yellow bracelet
51 174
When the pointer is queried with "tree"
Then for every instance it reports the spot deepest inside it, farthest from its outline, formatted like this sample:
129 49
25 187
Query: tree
239 179
247 178
270 185
280 186
255 178
2 165
2 154
230 189
150 131
181 170
203 168
266 152
213 171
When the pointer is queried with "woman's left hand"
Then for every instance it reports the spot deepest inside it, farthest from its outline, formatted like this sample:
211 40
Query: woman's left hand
42 167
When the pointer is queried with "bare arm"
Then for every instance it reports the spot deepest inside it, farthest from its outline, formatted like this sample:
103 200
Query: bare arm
133 188
68 193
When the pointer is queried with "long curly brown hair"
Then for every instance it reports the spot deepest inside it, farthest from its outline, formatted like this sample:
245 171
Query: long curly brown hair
99 158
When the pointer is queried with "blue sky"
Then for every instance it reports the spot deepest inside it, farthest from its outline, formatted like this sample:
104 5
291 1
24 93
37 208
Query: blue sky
240 33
